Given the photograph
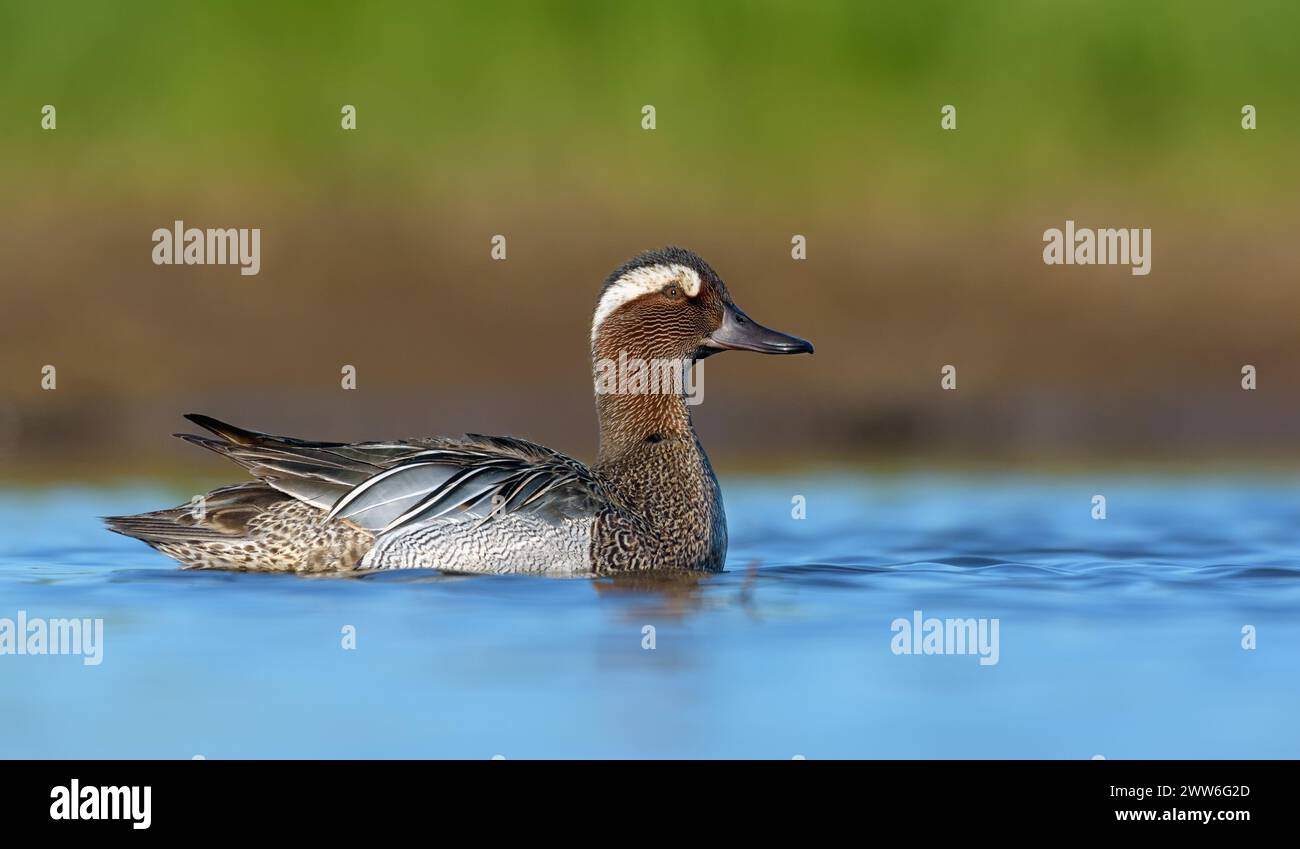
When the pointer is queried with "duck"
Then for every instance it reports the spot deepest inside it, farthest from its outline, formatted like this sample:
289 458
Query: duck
497 504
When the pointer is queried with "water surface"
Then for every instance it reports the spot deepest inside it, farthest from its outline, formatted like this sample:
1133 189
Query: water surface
1120 637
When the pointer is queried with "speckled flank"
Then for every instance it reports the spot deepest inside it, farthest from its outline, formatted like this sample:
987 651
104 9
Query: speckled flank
289 536
517 543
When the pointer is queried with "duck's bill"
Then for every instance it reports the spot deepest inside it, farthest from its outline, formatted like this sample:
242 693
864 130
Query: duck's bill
739 332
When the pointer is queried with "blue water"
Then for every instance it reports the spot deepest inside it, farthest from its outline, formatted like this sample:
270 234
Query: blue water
1120 638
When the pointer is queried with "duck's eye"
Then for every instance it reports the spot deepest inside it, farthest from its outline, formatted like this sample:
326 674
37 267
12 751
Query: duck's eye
672 291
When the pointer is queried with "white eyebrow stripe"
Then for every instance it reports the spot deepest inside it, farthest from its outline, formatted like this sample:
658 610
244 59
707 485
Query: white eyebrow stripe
643 281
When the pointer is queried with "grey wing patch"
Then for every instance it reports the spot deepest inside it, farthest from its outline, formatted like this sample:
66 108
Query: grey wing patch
479 504
418 489
472 478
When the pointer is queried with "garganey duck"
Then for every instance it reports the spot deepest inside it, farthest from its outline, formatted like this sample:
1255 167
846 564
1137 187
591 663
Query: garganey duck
494 503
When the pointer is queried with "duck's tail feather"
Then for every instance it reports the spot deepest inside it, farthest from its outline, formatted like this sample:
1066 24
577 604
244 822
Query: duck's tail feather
318 473
222 513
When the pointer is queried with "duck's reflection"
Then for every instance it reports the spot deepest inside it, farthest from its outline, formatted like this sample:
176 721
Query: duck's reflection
677 593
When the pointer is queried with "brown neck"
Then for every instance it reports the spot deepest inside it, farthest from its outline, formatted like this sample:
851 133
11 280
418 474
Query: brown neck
639 402
655 470
630 422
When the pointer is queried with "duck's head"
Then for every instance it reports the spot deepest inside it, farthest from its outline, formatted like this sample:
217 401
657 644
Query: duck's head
670 304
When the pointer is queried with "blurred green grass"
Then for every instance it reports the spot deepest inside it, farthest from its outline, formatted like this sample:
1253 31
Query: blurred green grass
826 99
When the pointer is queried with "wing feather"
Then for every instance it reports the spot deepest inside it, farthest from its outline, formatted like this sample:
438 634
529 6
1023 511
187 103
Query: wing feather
389 486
